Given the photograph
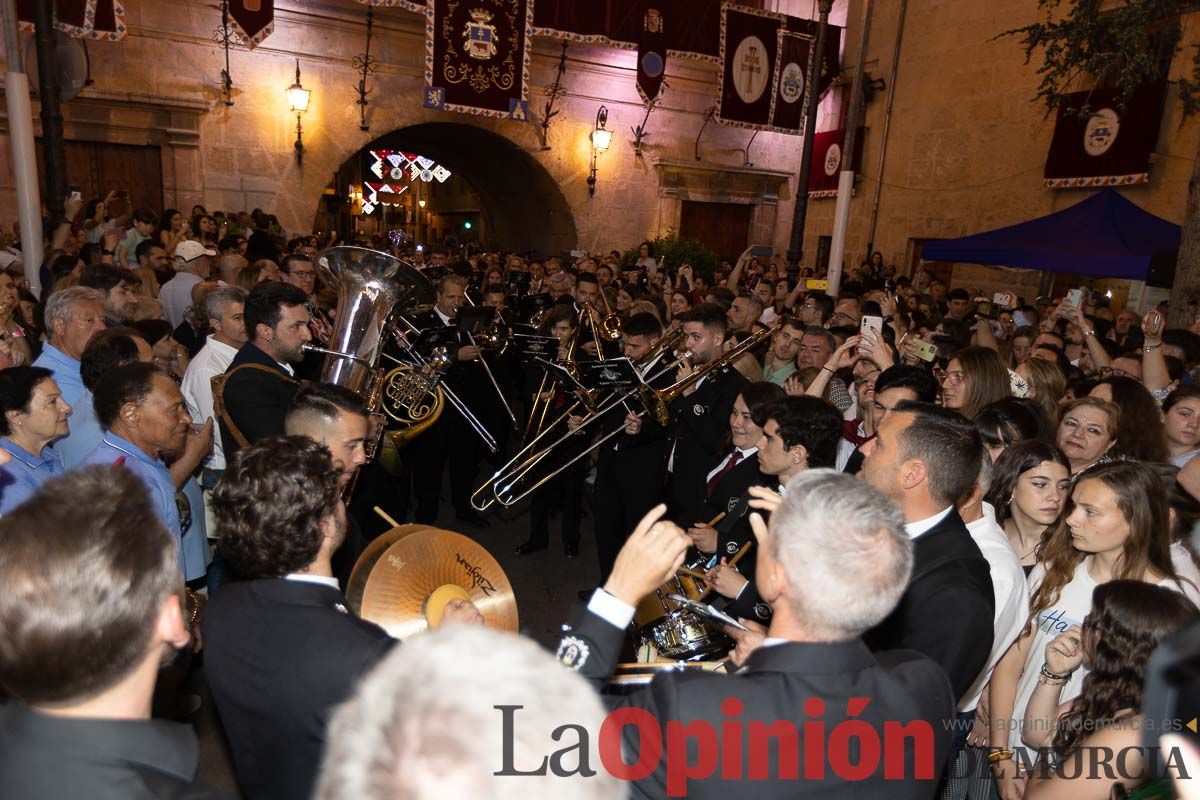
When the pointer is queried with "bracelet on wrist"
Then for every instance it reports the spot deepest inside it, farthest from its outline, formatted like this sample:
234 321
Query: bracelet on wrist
1089 333
996 756
830 371
1150 348
1046 673
108 252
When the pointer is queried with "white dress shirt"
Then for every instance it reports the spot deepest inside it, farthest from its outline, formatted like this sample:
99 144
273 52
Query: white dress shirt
915 529
321 580
213 359
1011 590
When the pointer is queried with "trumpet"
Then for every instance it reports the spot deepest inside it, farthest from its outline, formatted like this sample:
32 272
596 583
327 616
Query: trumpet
610 325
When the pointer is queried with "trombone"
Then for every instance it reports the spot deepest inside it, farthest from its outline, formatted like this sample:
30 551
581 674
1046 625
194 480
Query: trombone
495 339
526 458
656 403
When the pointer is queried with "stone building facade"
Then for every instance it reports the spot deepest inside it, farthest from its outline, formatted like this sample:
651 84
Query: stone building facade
965 150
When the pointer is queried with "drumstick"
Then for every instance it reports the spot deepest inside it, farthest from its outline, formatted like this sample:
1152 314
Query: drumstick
731 563
712 523
693 573
386 518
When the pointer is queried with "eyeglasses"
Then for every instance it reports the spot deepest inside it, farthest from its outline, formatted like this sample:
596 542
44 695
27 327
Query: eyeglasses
303 274
954 378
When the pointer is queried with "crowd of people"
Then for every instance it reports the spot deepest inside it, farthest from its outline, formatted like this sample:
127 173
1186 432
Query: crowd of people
923 507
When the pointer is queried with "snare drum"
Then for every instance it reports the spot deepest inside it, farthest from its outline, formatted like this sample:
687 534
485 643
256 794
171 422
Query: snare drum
683 636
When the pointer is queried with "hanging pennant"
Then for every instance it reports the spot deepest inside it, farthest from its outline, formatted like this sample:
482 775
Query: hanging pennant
791 89
252 20
72 17
652 56
829 151
477 57
1112 145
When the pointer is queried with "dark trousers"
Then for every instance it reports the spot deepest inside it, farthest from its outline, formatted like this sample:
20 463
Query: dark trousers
625 491
451 439
564 492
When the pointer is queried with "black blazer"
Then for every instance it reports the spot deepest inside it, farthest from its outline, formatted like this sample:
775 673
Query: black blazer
699 424
256 400
775 685
733 532
948 608
726 493
279 655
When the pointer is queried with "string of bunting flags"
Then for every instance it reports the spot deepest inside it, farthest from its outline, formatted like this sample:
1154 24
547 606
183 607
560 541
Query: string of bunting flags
394 172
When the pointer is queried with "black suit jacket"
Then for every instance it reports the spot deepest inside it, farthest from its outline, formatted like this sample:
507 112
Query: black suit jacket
726 493
775 685
948 608
256 400
279 655
699 424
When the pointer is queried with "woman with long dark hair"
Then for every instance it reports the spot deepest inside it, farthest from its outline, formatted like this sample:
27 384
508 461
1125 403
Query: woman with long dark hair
1140 434
1030 483
1114 529
1112 646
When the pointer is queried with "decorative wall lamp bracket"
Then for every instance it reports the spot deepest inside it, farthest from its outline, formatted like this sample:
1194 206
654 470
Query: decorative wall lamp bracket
297 97
553 92
708 116
639 133
601 138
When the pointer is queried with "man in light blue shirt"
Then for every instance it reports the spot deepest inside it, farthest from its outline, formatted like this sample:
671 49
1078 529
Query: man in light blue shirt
73 316
144 416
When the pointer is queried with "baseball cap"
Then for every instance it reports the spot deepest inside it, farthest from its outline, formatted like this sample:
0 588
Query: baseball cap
189 250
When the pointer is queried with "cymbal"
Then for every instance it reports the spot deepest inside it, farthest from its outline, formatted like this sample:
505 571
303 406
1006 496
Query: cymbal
399 572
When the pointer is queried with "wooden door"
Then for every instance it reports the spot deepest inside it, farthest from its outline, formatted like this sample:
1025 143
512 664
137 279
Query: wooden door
724 227
97 168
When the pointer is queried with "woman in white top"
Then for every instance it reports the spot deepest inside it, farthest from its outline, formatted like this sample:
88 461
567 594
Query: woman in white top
1181 419
1114 528
1127 621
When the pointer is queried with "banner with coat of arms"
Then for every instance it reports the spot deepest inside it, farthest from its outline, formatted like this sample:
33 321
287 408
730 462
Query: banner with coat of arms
477 57
652 55
83 19
252 20
825 169
1110 146
765 61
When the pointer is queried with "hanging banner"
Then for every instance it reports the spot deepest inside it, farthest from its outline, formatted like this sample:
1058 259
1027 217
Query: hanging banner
1110 146
109 23
652 56
252 20
792 87
477 57
746 82
73 17
407 5
826 166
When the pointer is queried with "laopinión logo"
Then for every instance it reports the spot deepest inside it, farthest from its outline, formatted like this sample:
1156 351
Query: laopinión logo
735 749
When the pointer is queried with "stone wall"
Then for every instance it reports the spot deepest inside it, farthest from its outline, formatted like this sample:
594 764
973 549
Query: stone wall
967 144
966 150
242 156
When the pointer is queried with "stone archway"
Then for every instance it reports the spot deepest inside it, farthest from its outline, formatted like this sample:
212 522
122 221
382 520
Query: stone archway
523 205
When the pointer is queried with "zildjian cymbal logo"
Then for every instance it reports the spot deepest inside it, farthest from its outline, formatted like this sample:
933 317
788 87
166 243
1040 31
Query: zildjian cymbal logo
478 581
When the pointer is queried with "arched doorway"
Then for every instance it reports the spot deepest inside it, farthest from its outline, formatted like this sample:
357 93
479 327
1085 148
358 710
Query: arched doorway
497 193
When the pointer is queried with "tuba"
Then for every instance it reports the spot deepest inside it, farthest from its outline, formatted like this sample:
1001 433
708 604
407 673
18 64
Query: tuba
370 285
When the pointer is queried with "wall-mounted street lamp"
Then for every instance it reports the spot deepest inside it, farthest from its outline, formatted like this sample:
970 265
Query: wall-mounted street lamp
601 139
297 97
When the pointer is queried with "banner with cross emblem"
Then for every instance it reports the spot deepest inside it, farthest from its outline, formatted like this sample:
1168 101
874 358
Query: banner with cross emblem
749 50
477 57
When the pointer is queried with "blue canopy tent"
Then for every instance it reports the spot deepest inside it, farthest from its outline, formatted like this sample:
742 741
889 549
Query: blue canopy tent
1104 236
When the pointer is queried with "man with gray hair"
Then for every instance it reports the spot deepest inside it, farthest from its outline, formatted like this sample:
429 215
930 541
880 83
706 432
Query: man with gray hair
223 307
833 563
466 712
73 316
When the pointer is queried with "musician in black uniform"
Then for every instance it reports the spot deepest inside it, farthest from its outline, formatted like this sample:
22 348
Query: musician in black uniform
700 414
260 382
631 469
811 668
451 438
564 492
735 470
797 433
